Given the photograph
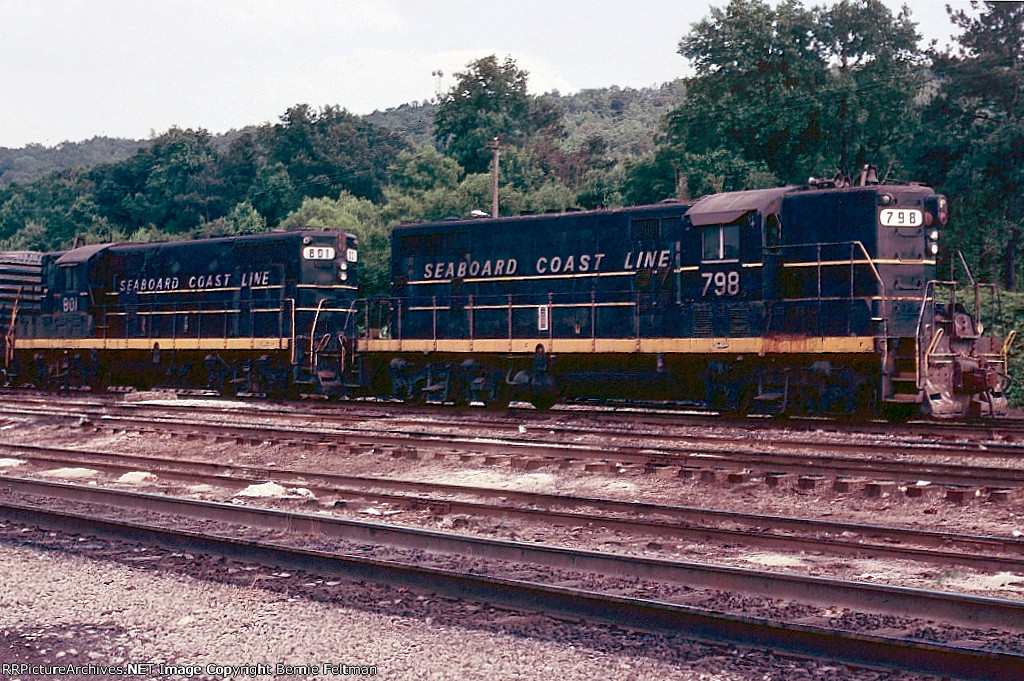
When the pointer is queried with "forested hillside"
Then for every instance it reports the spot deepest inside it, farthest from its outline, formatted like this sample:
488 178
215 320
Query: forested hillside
28 164
780 92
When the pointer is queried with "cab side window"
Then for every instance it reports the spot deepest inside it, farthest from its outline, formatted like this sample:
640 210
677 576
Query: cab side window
69 278
721 242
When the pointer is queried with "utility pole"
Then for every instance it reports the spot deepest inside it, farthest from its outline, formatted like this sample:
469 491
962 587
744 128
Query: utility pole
494 147
439 74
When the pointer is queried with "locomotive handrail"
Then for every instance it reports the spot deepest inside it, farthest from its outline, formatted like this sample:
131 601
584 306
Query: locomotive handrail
10 333
868 260
291 340
924 360
312 335
960 255
1008 343
852 262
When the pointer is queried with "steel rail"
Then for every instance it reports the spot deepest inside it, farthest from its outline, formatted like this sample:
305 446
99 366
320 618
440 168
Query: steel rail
340 421
638 454
888 653
536 506
894 600
613 417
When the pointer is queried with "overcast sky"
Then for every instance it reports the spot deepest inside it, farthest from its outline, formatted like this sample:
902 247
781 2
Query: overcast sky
75 69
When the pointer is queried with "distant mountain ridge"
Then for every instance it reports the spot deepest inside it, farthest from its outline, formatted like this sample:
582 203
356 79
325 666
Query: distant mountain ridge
28 164
625 118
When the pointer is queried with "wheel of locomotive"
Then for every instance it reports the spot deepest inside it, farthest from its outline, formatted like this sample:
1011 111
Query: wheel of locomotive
417 395
544 392
864 402
900 412
501 395
543 402
100 380
743 403
292 390
382 385
458 388
461 397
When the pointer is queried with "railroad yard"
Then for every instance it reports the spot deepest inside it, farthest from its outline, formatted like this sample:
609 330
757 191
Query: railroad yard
212 538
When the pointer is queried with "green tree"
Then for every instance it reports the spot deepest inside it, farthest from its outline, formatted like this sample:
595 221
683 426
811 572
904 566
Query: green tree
32 237
666 174
61 204
273 194
423 187
424 170
490 100
183 186
349 213
243 219
875 72
174 184
973 146
330 151
794 92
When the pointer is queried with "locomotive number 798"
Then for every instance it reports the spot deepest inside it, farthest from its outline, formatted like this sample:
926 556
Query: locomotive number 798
724 283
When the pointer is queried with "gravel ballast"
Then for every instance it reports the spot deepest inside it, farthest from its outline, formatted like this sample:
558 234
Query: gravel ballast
58 608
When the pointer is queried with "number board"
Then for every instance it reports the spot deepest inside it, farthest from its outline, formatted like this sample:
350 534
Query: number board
901 217
318 253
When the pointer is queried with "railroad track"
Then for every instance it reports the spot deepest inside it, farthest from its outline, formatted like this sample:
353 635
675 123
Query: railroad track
990 439
889 652
635 518
708 457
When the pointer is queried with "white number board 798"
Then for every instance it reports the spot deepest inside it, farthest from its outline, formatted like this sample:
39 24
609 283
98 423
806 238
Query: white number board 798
901 217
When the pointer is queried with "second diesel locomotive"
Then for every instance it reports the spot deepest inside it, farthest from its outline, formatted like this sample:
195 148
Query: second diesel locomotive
249 314
810 299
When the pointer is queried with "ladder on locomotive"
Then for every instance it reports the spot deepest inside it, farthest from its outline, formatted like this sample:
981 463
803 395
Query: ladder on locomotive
8 331
332 358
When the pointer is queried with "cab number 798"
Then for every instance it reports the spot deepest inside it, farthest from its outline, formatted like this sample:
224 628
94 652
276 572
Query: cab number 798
721 283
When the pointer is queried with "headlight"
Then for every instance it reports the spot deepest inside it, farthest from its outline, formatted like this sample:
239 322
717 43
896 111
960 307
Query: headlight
934 248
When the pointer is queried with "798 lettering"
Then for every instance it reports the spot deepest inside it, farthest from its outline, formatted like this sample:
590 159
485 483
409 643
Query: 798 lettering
721 283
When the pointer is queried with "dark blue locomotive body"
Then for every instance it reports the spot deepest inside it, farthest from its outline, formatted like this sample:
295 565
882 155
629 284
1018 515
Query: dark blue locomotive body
799 299
263 313
571 275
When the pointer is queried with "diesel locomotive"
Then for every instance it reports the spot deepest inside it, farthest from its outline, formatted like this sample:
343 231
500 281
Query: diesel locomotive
823 298
814 299
247 314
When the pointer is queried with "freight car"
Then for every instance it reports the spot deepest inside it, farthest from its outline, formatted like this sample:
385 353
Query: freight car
812 299
249 314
